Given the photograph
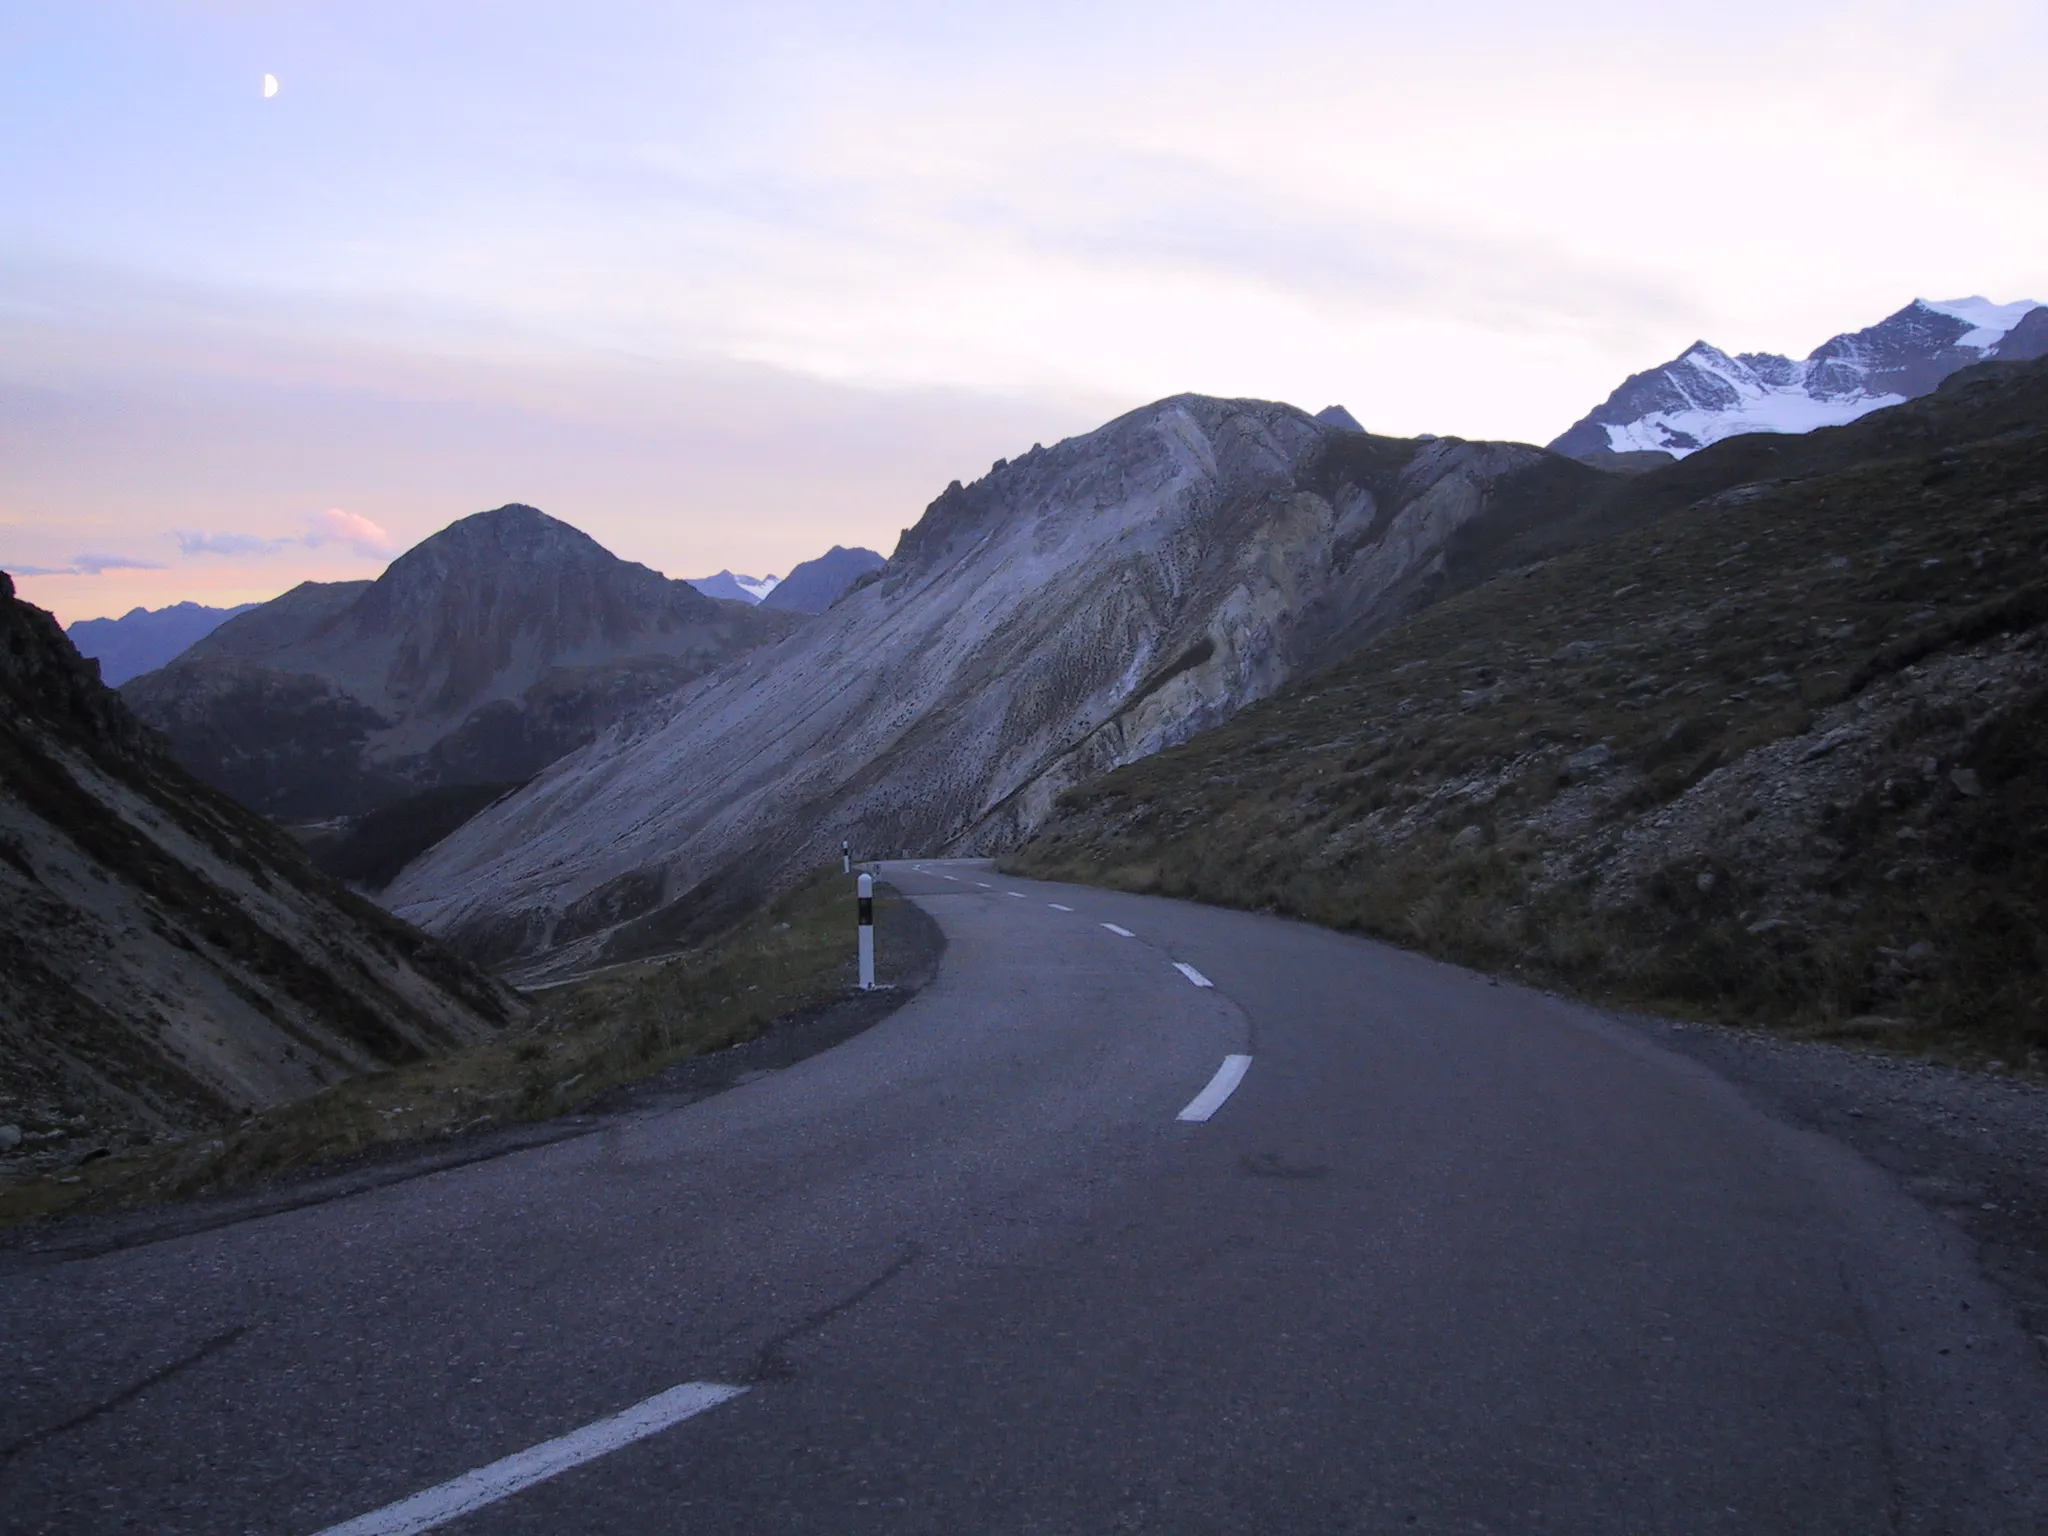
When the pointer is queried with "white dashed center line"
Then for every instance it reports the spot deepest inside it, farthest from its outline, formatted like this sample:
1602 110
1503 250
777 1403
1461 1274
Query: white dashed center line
1018 894
984 885
1057 907
1192 974
1221 1087
1122 933
486 1485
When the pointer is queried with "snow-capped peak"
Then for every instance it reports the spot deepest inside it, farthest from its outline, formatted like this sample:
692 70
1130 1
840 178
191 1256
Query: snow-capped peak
1991 321
1704 394
759 587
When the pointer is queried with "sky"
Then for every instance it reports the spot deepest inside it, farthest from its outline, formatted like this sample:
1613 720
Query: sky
725 285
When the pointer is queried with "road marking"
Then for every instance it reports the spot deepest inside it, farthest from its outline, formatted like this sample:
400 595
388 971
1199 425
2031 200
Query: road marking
1018 894
1122 933
984 885
953 878
486 1485
1221 1087
1192 974
1057 907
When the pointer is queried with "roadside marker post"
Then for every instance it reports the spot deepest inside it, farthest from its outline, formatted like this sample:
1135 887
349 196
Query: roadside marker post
846 855
867 933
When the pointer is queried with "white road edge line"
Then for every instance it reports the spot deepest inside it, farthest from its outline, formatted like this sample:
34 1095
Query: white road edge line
486 1485
1192 974
1221 1087
1122 933
1057 907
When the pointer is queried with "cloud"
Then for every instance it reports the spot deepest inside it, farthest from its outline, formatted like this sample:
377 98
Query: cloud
88 565
335 526
190 544
332 526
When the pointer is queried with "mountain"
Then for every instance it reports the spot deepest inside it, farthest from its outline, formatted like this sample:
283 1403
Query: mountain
169 960
143 639
1079 607
2026 341
481 655
735 589
1705 395
817 584
1780 756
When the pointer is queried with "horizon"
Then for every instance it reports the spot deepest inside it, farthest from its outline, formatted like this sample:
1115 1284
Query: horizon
724 290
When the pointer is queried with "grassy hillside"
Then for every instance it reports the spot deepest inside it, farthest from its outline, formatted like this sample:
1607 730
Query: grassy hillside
583 1040
1779 756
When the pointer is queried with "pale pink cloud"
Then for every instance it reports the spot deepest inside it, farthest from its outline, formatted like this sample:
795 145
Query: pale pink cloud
331 526
334 526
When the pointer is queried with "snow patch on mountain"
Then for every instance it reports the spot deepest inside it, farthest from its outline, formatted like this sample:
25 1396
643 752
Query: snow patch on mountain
735 588
1726 396
1705 394
1990 321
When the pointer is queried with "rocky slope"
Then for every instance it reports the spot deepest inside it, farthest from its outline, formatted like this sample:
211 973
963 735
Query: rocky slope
1705 395
481 655
1780 756
168 960
1080 607
143 639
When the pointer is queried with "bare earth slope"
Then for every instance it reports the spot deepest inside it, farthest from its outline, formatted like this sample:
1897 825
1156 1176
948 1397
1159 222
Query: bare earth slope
168 959
1078 608
481 655
1782 756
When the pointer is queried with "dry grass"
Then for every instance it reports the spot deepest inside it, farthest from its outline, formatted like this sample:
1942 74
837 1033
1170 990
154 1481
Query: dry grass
586 1038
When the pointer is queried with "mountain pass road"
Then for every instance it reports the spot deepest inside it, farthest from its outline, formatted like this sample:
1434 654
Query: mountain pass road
1143 1216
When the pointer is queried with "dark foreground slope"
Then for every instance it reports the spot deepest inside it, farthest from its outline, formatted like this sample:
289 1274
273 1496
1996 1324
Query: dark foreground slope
1782 755
167 959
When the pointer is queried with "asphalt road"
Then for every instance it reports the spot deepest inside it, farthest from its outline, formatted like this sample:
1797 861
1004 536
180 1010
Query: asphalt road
1452 1256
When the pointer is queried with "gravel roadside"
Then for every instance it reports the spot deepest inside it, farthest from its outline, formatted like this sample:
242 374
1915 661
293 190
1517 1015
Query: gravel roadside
1973 1146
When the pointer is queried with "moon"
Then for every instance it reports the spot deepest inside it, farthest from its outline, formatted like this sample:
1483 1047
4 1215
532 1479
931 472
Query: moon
269 86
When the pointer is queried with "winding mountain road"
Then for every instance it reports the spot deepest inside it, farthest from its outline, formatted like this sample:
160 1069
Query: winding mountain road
1142 1217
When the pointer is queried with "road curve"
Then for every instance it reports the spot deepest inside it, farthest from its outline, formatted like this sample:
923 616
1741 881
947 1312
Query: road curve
1143 1216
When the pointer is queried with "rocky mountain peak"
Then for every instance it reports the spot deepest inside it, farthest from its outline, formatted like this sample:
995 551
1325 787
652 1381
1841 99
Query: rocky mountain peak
482 653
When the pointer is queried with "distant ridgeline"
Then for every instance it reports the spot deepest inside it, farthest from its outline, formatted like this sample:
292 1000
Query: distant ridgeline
142 639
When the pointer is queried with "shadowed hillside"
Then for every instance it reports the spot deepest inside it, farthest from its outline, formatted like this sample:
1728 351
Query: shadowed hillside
169 960
1782 755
